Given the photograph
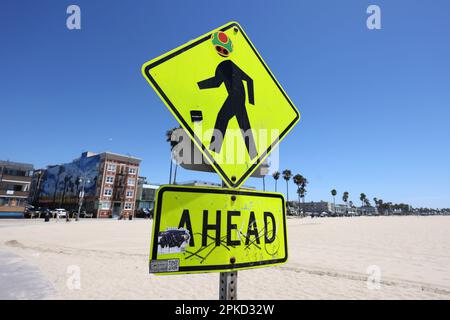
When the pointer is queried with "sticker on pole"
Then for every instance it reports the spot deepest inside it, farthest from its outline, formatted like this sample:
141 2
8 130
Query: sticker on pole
198 229
224 95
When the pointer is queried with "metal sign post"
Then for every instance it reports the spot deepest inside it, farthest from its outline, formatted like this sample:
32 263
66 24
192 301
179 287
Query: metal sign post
228 280
228 285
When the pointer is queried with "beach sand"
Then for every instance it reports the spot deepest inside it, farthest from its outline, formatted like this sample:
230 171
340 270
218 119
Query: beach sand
329 258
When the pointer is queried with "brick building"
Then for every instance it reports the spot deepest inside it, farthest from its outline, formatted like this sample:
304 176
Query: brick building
105 184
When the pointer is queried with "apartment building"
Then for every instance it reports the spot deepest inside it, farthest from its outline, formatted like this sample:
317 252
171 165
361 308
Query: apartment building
104 184
329 207
15 180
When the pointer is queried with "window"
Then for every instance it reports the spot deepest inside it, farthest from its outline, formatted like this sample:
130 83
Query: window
111 167
109 179
106 205
107 192
128 206
129 194
132 170
131 182
148 194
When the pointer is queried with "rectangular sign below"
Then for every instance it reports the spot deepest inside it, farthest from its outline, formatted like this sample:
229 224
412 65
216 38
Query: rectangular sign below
206 229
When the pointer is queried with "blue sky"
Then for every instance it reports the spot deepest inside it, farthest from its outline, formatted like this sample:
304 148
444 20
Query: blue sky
374 103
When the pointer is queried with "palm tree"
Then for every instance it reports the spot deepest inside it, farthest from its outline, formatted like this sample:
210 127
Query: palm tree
67 180
380 205
61 170
299 194
334 193
287 174
276 176
303 192
172 145
298 180
35 195
345 199
375 201
362 197
77 183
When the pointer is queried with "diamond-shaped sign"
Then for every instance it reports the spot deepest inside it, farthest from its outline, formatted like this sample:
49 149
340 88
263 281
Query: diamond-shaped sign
223 94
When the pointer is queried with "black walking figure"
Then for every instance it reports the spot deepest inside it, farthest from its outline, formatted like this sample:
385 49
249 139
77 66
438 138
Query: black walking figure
230 74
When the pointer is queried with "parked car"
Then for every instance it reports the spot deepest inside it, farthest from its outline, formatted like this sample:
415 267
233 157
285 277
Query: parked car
29 212
84 214
324 214
44 211
34 212
144 213
60 213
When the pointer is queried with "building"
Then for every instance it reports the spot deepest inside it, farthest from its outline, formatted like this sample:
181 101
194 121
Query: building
15 180
325 206
368 211
105 184
145 195
343 210
320 206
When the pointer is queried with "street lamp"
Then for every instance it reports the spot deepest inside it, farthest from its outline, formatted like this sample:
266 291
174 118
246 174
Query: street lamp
83 181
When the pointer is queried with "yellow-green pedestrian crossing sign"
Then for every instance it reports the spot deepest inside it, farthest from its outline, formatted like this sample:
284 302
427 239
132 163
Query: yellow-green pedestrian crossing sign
224 95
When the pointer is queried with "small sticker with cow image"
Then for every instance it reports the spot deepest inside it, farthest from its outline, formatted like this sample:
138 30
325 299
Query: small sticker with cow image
173 240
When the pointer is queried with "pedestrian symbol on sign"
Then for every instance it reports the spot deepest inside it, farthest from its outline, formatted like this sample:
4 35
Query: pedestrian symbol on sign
232 76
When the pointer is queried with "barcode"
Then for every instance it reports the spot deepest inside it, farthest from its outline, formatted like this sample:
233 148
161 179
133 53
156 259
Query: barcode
170 265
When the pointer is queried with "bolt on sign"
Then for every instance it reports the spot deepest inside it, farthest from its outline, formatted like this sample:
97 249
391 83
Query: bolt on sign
224 95
200 229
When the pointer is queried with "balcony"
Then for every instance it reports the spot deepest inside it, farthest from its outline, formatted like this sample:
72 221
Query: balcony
22 179
12 194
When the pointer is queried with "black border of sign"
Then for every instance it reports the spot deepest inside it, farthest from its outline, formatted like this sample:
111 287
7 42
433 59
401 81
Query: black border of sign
157 220
187 127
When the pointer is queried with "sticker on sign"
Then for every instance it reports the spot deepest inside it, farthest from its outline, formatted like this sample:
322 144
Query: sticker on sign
206 229
171 265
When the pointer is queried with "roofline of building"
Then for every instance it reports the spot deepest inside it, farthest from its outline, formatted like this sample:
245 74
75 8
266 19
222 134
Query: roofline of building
121 157
16 165
89 154
148 185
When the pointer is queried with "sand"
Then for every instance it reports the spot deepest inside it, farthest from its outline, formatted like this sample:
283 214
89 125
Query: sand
329 259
